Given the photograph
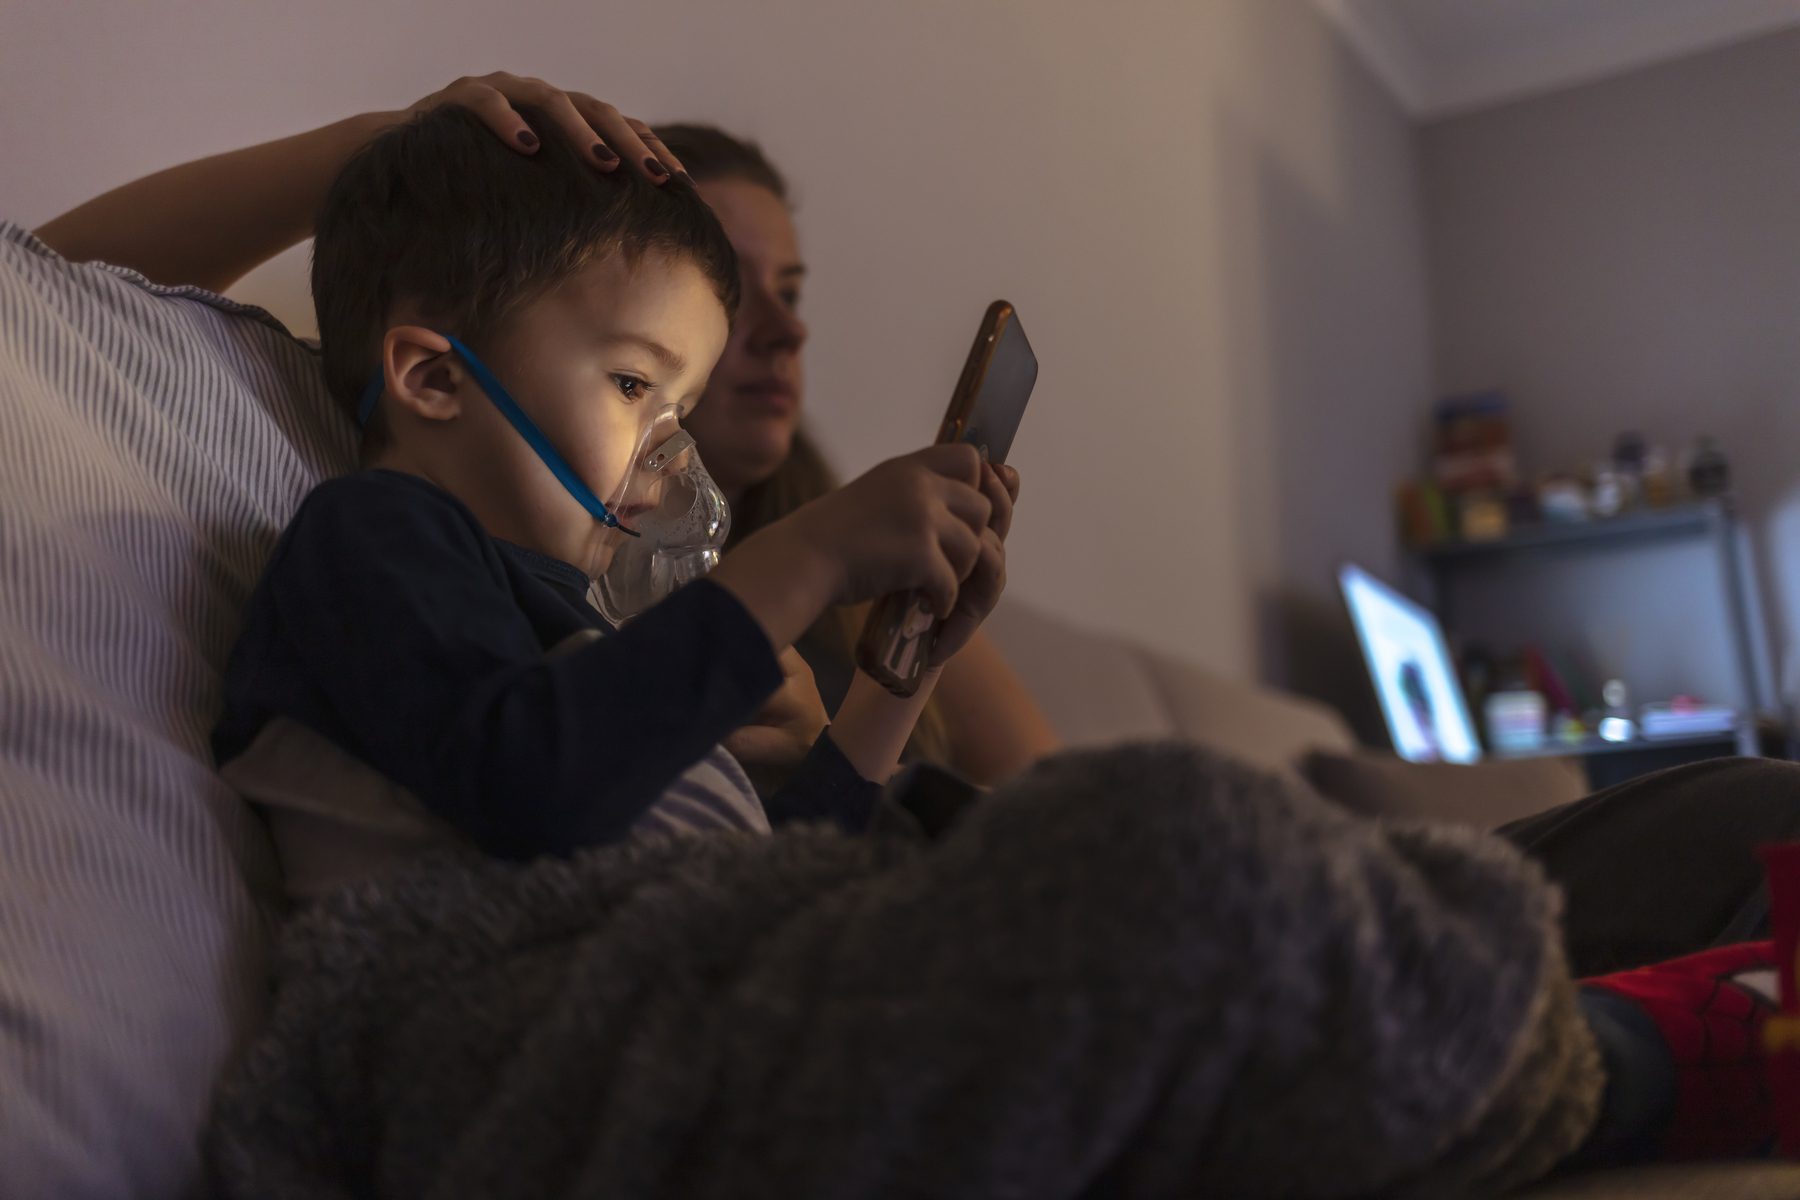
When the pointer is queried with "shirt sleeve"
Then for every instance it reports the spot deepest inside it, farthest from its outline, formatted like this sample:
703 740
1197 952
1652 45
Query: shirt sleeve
825 787
403 617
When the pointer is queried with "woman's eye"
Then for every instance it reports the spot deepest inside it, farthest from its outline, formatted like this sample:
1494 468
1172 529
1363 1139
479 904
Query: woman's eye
791 299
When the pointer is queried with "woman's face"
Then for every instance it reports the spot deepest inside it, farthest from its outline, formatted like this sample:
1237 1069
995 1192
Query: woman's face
745 420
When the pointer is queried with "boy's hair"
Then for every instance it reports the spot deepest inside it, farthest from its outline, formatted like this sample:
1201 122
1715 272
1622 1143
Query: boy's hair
438 213
708 152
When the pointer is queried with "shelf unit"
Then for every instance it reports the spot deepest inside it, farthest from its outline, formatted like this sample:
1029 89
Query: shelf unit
1715 520
1650 524
1590 746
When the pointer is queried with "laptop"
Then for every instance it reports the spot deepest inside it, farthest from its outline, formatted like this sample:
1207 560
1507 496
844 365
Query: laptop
1415 678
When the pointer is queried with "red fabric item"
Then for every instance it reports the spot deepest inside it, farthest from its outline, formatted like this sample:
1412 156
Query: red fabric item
1710 1009
1782 1036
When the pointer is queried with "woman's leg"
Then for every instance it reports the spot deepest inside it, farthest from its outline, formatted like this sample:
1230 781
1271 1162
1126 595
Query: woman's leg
1662 866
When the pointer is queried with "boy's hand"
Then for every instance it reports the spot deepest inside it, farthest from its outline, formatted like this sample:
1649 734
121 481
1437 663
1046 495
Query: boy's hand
593 125
872 725
980 592
779 736
913 523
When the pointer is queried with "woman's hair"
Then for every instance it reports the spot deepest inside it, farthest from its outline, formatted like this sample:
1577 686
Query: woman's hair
439 213
709 153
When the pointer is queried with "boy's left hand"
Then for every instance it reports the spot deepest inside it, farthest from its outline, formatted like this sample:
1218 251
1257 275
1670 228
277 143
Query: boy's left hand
784 731
980 592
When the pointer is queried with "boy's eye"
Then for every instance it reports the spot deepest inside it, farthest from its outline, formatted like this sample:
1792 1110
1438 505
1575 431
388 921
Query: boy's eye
631 387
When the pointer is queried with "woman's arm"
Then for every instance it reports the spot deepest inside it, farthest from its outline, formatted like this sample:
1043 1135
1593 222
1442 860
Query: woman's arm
212 221
994 725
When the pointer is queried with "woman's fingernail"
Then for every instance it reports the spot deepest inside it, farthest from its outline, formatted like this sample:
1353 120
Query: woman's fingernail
527 139
604 154
654 167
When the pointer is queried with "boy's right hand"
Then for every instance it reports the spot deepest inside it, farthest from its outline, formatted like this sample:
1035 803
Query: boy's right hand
912 523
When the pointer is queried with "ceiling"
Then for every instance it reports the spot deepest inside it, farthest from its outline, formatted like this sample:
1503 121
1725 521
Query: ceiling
1448 56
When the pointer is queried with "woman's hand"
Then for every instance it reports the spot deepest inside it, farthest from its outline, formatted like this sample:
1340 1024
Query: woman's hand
980 592
778 737
211 221
608 135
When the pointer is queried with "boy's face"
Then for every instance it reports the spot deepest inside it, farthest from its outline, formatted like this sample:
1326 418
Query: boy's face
591 362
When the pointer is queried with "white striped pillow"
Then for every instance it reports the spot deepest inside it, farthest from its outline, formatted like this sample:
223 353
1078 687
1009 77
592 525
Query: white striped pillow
153 442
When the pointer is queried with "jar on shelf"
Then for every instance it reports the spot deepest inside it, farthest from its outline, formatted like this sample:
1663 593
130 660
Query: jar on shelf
1709 471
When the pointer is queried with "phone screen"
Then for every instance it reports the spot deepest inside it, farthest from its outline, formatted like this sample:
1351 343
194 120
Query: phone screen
1000 403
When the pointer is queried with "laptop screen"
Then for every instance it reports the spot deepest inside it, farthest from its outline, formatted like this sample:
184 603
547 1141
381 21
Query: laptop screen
1409 662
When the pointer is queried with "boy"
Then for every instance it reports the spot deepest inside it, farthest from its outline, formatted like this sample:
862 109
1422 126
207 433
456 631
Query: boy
421 664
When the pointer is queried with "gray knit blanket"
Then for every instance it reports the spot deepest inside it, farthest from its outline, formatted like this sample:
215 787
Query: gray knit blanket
1140 972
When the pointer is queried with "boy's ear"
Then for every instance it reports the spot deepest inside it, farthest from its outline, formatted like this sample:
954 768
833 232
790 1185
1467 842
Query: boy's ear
424 377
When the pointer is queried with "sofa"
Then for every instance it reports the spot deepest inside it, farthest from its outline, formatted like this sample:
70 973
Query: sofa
153 442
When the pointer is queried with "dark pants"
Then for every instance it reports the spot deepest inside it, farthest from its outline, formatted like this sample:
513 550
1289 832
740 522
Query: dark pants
1651 869
1665 864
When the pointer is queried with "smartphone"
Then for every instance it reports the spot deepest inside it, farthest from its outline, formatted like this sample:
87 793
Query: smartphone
985 411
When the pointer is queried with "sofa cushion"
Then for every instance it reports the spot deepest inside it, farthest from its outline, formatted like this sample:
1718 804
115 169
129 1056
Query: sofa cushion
1261 726
1093 688
1098 689
1485 795
153 442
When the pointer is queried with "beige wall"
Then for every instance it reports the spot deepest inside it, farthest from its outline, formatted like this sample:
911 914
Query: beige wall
1627 255
1204 209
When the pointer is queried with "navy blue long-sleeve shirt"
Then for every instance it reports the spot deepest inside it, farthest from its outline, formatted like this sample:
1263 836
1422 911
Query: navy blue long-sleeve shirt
389 622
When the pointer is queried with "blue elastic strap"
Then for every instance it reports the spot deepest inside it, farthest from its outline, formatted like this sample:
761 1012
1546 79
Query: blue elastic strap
515 416
371 394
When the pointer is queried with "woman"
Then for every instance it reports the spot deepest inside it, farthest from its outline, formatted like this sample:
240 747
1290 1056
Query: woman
981 721
210 222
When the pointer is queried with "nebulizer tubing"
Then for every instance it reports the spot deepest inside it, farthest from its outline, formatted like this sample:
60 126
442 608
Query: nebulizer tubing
515 416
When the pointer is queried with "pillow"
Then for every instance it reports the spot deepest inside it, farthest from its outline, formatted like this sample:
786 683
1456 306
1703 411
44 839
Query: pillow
1265 728
1092 687
1484 795
153 442
1097 690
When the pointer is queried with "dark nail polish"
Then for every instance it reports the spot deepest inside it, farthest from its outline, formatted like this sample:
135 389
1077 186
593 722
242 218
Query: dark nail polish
605 154
655 168
528 139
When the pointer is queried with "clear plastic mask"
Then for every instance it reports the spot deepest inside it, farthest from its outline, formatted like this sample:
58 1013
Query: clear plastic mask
678 514
663 525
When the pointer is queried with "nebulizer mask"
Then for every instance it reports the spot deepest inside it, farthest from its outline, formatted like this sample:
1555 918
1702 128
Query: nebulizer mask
665 522
677 516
